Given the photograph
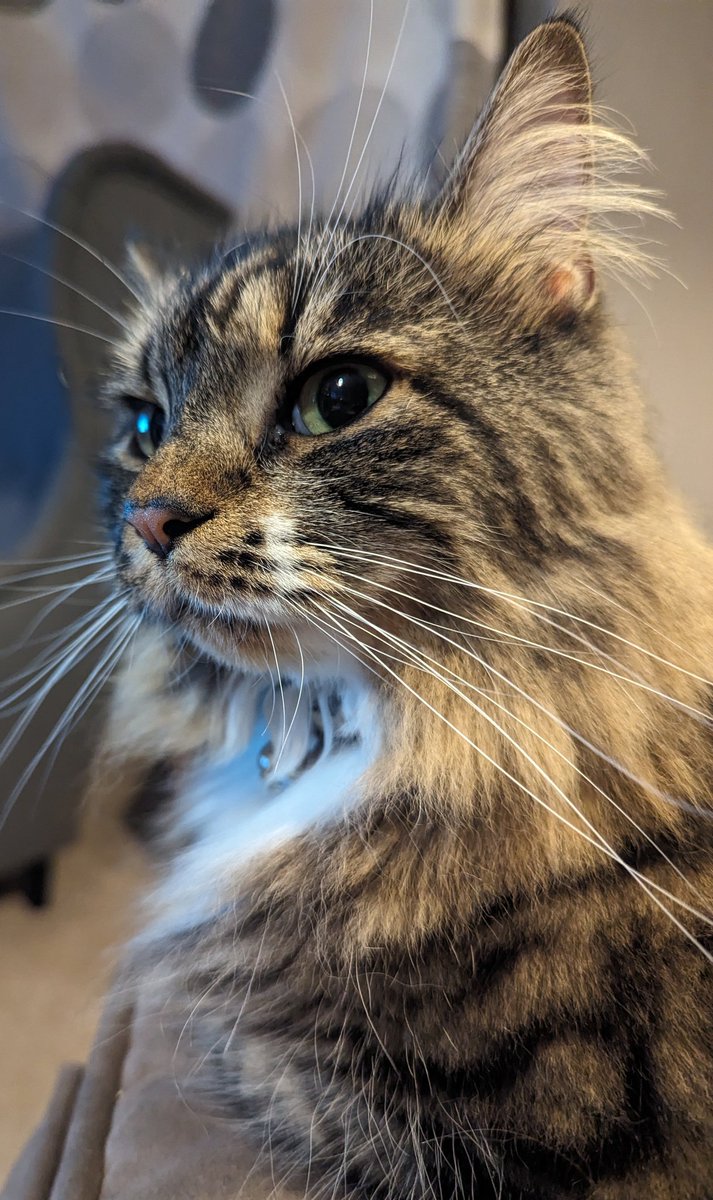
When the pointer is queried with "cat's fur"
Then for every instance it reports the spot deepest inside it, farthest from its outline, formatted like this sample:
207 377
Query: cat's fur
468 984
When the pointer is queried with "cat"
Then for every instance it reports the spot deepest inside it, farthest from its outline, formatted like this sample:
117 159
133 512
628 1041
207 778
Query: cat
453 940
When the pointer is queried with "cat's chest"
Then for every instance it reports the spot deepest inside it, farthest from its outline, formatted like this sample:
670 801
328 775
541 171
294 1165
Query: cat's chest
284 781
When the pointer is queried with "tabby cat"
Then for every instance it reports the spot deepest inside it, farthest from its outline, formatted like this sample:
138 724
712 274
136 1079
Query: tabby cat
452 940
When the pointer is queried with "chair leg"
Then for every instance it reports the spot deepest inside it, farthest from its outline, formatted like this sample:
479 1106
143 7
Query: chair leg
35 882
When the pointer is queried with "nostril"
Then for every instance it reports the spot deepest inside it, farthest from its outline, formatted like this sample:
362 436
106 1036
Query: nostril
161 525
176 526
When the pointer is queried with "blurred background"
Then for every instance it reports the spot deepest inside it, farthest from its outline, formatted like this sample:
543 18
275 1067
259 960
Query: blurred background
175 122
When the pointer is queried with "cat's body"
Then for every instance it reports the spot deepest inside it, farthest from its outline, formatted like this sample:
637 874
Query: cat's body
482 967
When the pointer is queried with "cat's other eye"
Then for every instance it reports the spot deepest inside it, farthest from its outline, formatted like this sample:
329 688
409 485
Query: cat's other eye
148 427
336 394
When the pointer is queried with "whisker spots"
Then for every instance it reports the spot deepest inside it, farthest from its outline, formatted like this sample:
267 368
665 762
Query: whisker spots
247 560
233 556
260 588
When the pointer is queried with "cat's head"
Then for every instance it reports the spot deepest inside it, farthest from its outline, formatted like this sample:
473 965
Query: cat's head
424 391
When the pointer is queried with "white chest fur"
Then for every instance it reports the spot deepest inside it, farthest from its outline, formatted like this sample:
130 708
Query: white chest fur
232 806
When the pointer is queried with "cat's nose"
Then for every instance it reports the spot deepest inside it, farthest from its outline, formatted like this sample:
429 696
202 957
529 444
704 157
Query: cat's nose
161 525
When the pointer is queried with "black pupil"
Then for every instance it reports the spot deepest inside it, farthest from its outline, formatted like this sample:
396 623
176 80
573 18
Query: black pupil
155 425
342 395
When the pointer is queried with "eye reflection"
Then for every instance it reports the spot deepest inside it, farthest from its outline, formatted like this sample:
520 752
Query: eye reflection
336 395
149 423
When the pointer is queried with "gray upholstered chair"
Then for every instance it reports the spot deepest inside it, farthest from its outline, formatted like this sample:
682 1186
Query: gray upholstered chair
103 197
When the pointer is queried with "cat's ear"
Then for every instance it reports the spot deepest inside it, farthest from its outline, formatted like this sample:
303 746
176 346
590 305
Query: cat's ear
537 174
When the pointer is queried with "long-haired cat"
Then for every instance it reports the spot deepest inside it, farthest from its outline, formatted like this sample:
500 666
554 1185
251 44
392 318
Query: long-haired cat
453 940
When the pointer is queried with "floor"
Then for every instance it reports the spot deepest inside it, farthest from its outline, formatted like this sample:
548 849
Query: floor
57 963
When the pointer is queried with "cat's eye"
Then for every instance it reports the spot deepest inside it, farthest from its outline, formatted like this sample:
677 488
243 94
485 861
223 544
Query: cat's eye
149 425
335 395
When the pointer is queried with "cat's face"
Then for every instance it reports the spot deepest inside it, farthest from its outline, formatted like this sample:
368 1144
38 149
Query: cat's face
287 426
305 424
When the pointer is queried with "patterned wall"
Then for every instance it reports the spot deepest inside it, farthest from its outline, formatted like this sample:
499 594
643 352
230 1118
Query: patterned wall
164 74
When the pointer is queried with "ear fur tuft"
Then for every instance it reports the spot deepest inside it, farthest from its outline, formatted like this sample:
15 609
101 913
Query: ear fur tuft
143 266
544 178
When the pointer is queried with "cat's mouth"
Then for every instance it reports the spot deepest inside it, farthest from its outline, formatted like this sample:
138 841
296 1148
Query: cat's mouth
245 641
255 614
235 638
238 627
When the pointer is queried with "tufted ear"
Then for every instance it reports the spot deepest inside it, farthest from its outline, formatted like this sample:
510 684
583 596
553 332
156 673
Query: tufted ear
539 179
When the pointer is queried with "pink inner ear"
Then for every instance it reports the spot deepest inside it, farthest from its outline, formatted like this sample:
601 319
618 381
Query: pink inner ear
571 286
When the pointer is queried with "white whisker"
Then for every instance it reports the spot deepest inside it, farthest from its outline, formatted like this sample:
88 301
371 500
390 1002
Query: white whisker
63 590
19 312
297 704
328 227
81 703
45 661
648 786
382 237
422 656
69 564
299 281
60 279
100 577
279 684
511 596
78 649
299 179
78 241
594 839
112 654
382 97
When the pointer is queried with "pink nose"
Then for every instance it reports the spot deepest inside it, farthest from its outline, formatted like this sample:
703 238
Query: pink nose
161 526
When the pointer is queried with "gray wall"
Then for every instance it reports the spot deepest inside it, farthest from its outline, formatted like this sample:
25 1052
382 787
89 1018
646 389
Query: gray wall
653 65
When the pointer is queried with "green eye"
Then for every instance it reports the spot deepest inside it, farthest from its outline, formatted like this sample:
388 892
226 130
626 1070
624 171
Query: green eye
336 395
148 429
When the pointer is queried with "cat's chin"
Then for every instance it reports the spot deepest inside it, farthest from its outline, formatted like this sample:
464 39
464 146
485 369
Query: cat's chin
255 646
